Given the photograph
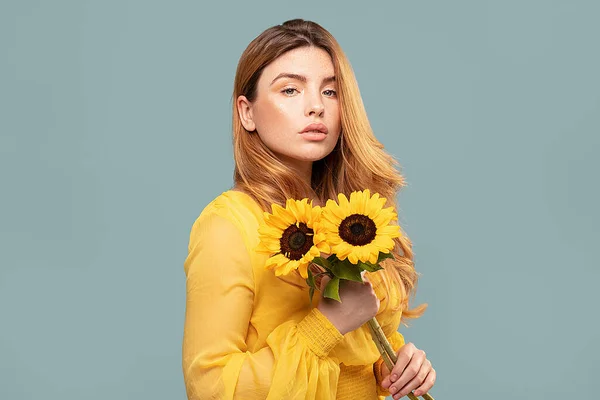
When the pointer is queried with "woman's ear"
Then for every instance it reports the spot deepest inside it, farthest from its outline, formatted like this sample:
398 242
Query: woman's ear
244 108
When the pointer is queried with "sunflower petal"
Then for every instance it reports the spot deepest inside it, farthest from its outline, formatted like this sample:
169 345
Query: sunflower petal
365 253
353 258
305 210
375 206
335 240
315 216
292 208
367 200
384 217
385 243
284 215
343 201
389 231
281 260
373 256
333 212
303 269
323 247
291 266
268 231
277 222
263 248
342 250
276 261
357 202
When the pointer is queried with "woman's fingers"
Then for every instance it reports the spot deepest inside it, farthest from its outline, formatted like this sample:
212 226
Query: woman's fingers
416 382
412 372
407 369
404 355
428 384
408 356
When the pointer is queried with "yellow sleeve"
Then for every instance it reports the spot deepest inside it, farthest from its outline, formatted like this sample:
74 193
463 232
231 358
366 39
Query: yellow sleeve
219 301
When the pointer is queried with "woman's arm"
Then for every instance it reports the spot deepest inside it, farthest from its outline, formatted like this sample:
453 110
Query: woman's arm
219 302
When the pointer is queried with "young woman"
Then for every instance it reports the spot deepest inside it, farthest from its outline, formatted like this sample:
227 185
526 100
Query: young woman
299 131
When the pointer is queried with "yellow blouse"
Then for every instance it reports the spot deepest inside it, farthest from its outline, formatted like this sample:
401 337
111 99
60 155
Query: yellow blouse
251 335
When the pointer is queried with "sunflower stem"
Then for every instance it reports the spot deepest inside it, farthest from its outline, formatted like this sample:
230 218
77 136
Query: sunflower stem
384 355
380 336
387 352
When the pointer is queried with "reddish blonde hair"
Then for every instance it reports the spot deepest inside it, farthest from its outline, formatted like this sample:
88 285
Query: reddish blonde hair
357 162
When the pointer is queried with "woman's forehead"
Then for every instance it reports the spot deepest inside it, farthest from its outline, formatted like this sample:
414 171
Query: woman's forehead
310 63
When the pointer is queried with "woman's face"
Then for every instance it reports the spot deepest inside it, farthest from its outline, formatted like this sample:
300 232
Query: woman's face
294 91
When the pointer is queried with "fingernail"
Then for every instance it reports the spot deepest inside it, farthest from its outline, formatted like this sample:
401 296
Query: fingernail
393 389
394 377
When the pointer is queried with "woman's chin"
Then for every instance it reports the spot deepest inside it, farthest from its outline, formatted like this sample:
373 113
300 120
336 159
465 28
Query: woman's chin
311 157
313 152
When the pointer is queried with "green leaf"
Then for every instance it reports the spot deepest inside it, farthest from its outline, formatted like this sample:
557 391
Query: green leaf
383 256
311 293
369 267
322 262
347 270
332 258
311 280
332 289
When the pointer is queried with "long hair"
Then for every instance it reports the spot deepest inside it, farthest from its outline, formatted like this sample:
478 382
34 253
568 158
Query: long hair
357 162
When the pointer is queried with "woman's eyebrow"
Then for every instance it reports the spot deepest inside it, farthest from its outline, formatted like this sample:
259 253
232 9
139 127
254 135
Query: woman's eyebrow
300 78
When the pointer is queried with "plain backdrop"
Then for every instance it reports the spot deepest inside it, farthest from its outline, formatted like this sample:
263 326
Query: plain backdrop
115 132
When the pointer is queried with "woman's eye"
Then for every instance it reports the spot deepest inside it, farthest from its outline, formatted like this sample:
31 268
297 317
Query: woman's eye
329 93
288 91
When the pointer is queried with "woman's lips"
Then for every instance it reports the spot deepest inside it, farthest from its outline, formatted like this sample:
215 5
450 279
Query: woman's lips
315 126
314 136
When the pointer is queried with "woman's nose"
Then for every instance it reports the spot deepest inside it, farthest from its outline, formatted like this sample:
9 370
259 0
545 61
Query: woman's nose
315 105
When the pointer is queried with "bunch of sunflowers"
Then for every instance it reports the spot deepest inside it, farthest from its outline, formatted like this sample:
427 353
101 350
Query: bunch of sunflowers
356 232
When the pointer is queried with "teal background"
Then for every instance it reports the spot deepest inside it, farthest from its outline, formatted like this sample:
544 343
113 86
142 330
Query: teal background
115 133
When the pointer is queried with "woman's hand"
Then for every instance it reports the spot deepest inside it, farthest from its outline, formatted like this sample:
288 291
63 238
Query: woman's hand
413 371
359 303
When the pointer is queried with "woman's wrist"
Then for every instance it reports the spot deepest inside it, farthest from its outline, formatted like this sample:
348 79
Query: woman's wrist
339 325
319 334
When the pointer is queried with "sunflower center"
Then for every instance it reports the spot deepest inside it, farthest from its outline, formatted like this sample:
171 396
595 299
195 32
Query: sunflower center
296 241
358 230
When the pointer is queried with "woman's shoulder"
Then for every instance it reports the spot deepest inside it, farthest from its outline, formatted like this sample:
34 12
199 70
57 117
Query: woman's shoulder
231 207
235 205
227 225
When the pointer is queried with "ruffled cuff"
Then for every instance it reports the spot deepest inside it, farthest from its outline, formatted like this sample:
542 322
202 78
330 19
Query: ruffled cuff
318 333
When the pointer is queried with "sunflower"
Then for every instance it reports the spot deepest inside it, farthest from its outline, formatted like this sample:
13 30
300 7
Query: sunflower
359 229
292 237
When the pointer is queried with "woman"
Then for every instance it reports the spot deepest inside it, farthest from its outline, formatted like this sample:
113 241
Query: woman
299 131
